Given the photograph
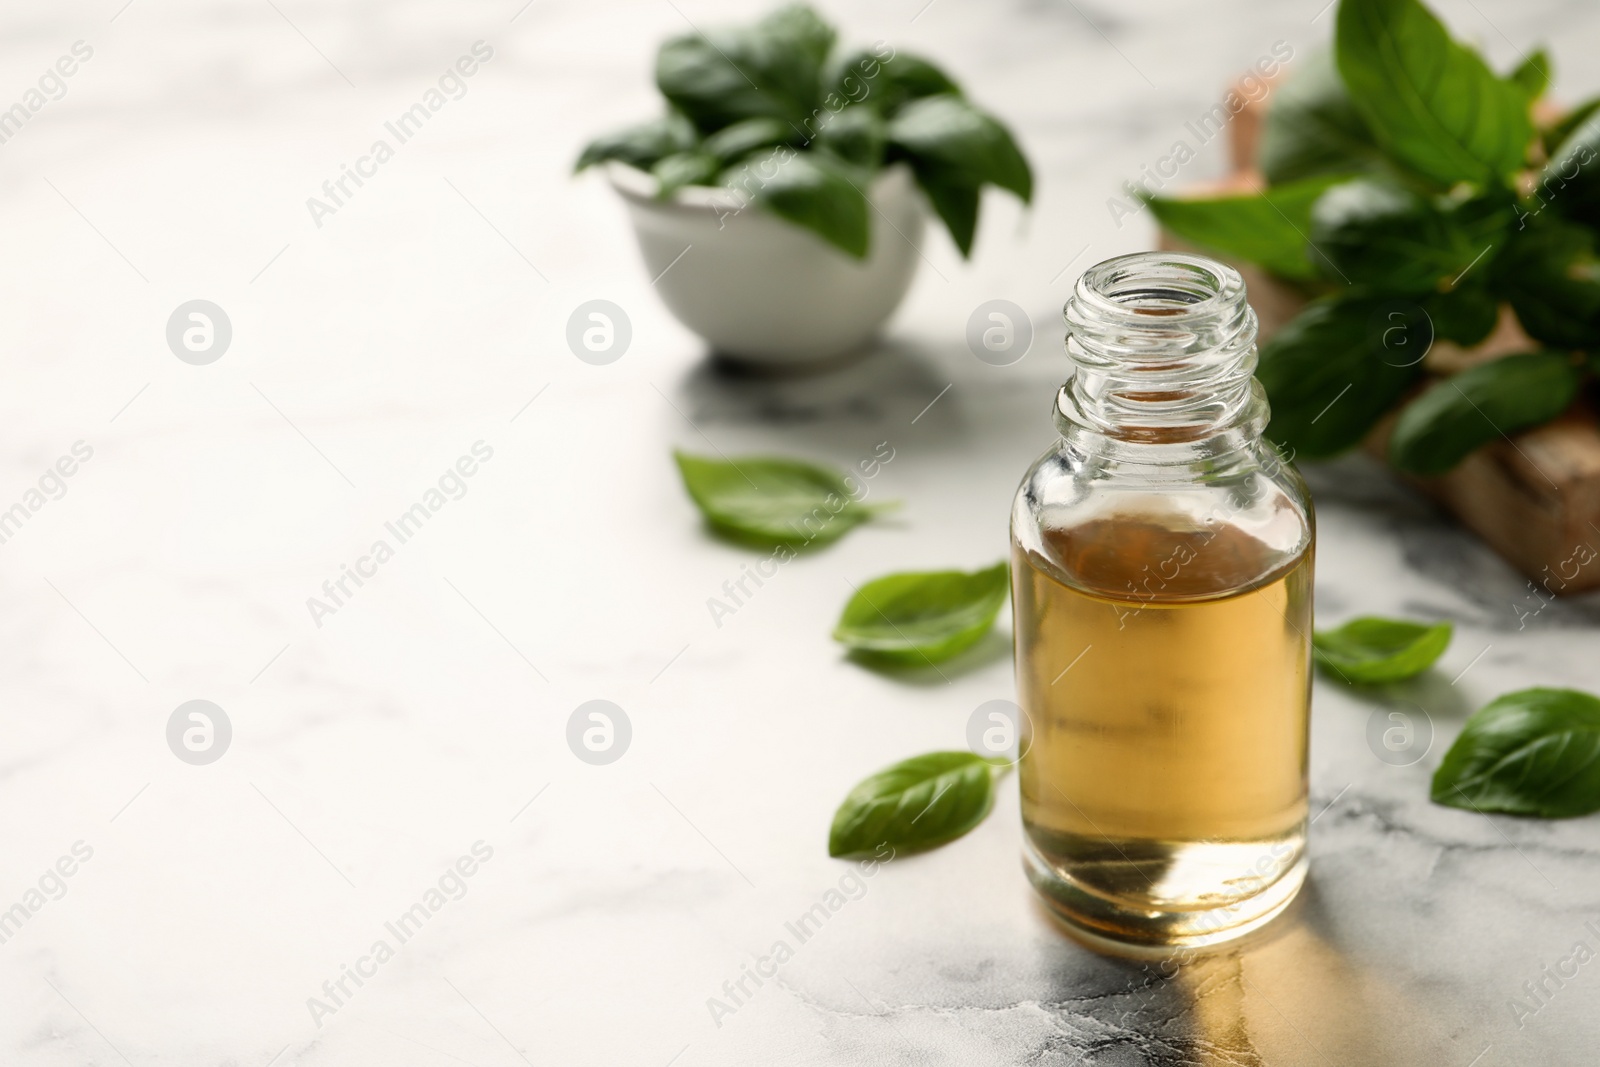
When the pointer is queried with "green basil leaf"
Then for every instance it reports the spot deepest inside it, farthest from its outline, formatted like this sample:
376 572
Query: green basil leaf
1269 228
963 144
1570 182
641 146
772 501
811 189
954 149
1372 649
1533 752
1455 417
1312 127
917 803
1466 315
909 77
702 80
796 42
684 168
1432 103
1533 74
856 135
922 616
916 77
955 202
1551 275
1380 234
769 69
744 137
854 77
1337 368
1483 221
861 77
1557 132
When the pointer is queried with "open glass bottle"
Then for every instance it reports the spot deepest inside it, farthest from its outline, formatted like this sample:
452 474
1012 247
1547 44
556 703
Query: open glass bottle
1162 576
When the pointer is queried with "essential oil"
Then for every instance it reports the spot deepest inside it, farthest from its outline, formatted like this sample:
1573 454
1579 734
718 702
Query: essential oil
1162 574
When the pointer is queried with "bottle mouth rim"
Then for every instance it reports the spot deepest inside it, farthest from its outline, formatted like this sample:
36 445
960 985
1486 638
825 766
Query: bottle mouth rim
1159 289
1162 346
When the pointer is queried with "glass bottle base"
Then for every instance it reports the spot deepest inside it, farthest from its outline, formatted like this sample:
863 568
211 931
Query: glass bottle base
1116 928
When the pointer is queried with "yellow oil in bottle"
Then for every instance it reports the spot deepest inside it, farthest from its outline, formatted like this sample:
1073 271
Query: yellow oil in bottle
1164 671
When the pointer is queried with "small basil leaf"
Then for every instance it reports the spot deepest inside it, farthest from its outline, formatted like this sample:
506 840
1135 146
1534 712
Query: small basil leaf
741 138
964 144
1372 649
922 616
1551 275
854 77
1533 752
916 77
1312 128
684 168
856 135
772 501
1380 234
1482 222
886 84
642 145
1432 103
702 80
815 190
955 202
1532 75
910 78
915 804
1337 368
1557 132
1466 315
770 69
1269 228
794 43
1570 182
1468 410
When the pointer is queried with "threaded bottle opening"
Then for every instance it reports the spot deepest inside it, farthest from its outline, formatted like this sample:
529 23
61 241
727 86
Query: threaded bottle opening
1162 346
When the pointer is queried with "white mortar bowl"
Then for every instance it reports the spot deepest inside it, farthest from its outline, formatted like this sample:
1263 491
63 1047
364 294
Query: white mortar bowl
763 291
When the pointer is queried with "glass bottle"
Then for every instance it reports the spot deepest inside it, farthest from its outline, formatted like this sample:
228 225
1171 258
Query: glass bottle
1162 565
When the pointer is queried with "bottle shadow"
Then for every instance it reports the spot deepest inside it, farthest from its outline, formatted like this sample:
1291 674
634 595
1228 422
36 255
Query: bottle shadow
874 385
1430 691
1289 993
903 390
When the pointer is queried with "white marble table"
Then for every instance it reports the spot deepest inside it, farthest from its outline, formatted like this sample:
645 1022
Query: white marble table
376 745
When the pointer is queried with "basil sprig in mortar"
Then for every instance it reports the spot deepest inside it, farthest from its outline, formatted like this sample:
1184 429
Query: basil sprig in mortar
1411 193
779 113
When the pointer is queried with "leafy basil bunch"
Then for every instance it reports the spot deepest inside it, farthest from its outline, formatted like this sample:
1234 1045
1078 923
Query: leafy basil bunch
778 113
1412 194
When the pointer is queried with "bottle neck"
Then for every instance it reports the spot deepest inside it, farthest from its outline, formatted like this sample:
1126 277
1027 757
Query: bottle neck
1163 346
